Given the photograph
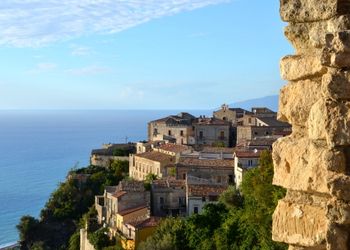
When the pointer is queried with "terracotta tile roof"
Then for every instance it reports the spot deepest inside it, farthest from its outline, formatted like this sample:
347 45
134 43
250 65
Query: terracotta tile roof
208 149
156 156
169 183
131 210
150 222
205 190
187 161
119 194
248 153
175 148
211 121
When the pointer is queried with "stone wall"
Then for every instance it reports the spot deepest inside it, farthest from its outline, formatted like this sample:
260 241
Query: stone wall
314 162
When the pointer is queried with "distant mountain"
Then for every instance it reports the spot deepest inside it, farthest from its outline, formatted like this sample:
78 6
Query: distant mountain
270 102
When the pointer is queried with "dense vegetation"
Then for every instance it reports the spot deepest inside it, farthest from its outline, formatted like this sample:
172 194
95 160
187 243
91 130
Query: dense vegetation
62 215
241 220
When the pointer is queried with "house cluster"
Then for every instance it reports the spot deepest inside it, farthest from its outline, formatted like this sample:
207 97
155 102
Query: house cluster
193 159
227 127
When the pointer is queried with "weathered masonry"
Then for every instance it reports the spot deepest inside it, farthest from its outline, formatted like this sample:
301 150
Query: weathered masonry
314 162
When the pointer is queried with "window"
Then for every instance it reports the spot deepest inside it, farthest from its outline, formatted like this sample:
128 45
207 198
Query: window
224 118
250 162
218 179
213 198
181 132
129 232
230 178
200 134
222 134
169 132
249 120
195 210
203 198
184 176
161 200
155 131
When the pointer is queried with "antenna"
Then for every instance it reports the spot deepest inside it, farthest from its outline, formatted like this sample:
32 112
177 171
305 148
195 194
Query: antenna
126 139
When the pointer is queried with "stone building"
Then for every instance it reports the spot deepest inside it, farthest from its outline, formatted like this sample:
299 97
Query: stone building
134 232
265 128
198 195
140 165
127 195
244 160
212 131
111 152
168 197
174 128
229 114
218 170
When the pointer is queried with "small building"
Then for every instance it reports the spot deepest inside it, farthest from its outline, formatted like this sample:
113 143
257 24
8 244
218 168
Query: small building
135 232
220 171
174 128
229 114
263 112
212 131
198 195
140 165
245 160
127 195
168 197
105 156
131 214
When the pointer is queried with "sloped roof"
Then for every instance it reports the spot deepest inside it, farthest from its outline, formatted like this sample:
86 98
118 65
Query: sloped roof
175 148
201 190
149 222
273 122
157 156
131 210
189 161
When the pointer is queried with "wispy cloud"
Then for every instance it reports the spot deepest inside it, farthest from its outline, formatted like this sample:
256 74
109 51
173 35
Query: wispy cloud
199 35
131 93
27 23
81 51
42 67
89 70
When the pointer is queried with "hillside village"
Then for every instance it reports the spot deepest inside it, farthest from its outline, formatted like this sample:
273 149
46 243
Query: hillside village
186 163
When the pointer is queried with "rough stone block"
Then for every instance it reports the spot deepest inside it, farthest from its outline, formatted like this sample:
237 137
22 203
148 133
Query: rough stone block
338 41
338 237
339 60
306 165
330 121
300 67
296 100
339 187
299 224
339 212
308 38
336 85
312 10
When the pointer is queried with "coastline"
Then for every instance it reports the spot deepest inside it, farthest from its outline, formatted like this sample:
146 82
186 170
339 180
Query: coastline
9 246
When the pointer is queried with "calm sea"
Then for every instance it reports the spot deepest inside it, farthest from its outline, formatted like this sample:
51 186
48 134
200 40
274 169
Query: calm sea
37 148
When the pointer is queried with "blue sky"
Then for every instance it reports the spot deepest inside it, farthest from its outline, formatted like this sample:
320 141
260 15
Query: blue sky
138 54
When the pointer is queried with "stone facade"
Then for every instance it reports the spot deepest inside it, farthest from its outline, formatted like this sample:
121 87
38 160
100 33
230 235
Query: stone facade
313 162
175 128
140 165
210 131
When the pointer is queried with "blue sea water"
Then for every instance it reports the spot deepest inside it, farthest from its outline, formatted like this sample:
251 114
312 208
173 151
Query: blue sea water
37 148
